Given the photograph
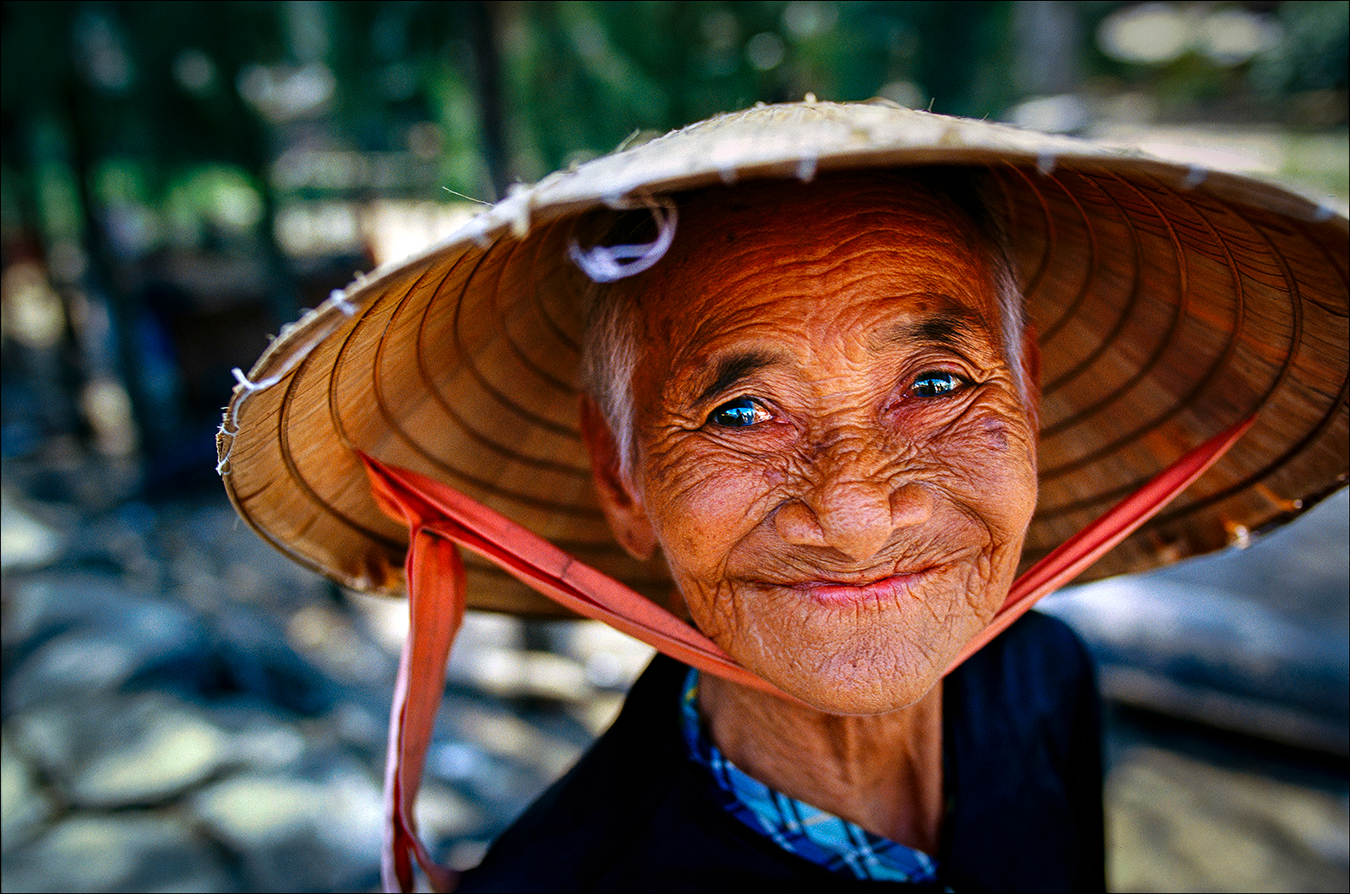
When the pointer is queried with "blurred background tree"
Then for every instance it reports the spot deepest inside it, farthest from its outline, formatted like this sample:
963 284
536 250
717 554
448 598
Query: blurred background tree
179 178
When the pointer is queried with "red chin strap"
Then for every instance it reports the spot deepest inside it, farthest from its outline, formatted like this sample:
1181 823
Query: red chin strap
440 519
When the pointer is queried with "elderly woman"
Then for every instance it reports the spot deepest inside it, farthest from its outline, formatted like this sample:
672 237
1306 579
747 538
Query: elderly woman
813 418
829 434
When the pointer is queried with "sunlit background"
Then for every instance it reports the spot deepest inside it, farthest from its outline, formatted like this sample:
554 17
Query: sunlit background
185 710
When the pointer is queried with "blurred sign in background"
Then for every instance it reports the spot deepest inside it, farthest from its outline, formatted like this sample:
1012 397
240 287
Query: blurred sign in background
182 709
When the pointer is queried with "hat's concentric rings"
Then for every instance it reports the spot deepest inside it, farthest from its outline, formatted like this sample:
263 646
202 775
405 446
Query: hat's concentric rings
1169 305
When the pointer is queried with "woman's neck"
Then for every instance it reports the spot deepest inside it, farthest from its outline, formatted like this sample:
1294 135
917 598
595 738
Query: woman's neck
882 772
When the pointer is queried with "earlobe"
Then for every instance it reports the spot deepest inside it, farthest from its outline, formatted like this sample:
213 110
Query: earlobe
623 508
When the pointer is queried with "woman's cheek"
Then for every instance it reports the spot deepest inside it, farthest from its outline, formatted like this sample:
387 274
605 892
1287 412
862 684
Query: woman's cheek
1009 450
712 508
988 460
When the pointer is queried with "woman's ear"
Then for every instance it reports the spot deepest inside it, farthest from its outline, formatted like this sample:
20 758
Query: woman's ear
623 507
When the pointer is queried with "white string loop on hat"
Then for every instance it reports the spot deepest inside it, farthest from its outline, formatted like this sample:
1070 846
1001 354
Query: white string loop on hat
608 263
229 426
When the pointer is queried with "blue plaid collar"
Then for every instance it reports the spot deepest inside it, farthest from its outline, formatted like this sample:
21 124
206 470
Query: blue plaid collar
799 828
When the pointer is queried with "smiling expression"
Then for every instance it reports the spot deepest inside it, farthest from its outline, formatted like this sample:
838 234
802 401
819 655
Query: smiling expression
832 450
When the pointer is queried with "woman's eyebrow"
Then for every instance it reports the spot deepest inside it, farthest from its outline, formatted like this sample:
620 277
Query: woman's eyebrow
733 368
946 328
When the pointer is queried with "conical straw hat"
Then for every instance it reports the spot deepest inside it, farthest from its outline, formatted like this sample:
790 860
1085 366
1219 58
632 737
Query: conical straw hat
1170 303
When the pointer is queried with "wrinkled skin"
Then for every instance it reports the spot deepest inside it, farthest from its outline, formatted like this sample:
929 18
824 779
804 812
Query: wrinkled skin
834 457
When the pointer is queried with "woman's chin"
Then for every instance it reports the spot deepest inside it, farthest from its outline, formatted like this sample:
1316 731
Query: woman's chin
854 690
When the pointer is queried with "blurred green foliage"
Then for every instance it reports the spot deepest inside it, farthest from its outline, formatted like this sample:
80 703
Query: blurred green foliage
133 97
1313 53
139 137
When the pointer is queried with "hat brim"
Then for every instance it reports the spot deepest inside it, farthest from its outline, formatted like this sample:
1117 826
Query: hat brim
1170 303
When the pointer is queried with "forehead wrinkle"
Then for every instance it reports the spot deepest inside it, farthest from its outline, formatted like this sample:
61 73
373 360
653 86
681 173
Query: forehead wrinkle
718 270
939 242
711 270
722 287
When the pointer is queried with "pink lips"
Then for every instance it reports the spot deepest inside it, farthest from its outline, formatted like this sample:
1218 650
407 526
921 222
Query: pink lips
885 590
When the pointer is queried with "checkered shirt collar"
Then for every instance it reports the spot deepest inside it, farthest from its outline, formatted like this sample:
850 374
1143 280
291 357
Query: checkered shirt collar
797 827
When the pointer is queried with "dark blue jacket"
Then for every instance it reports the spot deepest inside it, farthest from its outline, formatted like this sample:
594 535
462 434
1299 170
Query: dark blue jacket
1022 752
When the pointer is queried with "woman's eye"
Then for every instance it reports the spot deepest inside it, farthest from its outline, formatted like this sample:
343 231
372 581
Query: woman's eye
937 384
739 413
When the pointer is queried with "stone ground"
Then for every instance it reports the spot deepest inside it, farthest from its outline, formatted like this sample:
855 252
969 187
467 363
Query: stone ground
184 710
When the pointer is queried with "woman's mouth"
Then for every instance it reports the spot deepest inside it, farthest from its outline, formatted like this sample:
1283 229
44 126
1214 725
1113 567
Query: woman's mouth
884 590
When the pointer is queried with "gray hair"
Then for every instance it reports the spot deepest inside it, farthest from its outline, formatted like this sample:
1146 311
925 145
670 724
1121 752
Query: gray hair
610 344
609 355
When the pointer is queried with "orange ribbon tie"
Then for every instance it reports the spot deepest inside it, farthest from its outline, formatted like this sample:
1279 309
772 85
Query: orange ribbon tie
440 519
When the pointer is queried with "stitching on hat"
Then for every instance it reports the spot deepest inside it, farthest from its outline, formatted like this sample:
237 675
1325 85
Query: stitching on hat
608 263
519 216
229 426
806 167
339 300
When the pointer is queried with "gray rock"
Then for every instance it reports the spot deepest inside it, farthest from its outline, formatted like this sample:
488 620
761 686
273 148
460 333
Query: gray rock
513 673
1180 823
1255 639
330 636
1218 656
73 635
123 752
613 660
116 853
169 754
23 806
42 604
362 724
264 742
249 654
25 542
291 832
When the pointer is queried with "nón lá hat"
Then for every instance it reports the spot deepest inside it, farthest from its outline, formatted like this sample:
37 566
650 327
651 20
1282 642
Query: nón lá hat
1170 301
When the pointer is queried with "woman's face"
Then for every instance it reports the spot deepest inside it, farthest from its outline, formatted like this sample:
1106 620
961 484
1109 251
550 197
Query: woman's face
832 450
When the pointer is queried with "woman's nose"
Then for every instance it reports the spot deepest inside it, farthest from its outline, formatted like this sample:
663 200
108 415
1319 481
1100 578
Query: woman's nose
856 516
